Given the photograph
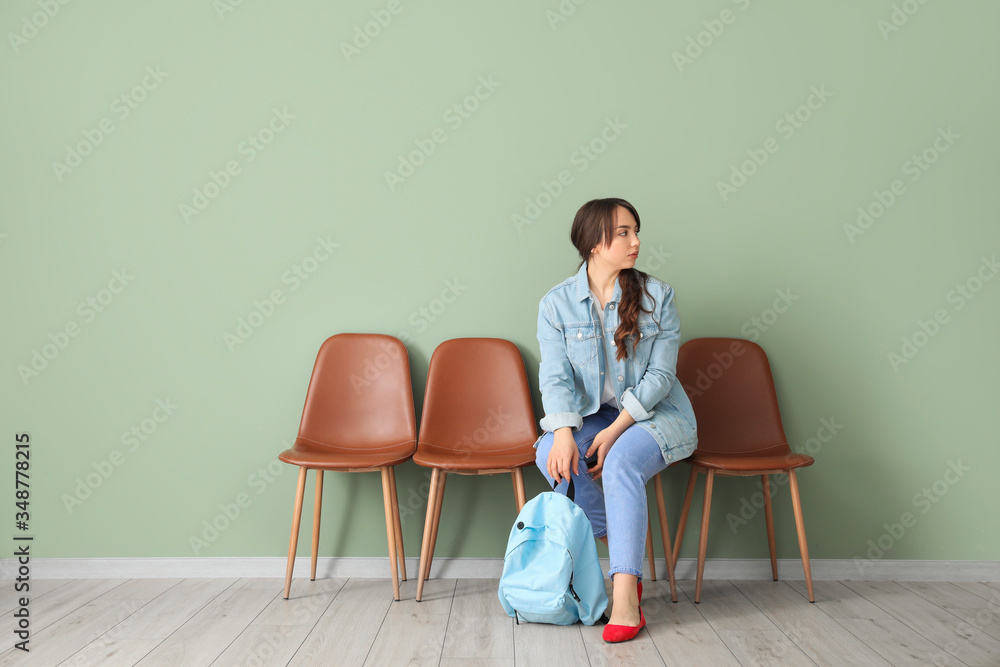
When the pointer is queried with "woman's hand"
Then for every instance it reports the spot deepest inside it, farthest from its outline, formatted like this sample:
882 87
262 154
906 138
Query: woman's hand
564 457
605 438
602 443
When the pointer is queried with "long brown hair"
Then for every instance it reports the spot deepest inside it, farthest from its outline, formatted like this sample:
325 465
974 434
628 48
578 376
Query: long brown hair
593 226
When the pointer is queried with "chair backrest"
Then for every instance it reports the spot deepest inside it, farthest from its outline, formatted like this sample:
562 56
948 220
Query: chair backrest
732 392
477 398
360 395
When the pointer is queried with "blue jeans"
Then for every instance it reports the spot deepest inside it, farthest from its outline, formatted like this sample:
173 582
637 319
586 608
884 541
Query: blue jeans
619 509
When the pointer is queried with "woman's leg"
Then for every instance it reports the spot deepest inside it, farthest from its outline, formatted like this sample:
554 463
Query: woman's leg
586 492
630 463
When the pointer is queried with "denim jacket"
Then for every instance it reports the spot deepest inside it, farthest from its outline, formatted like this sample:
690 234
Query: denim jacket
575 355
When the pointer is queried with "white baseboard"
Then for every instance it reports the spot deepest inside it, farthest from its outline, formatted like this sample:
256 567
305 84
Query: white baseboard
490 568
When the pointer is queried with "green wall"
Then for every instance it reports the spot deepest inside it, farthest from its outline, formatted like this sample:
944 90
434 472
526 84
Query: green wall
157 99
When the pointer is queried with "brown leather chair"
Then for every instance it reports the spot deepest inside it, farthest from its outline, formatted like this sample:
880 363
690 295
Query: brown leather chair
358 417
477 420
731 388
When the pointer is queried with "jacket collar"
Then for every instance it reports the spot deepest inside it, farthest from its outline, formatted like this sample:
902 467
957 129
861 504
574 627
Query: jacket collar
583 286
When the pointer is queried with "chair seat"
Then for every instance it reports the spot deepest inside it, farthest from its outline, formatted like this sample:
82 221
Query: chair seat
750 462
314 455
430 456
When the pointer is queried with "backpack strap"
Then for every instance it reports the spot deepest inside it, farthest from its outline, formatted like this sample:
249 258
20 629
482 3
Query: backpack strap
570 491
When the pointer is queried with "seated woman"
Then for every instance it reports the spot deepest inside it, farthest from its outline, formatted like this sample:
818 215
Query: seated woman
609 338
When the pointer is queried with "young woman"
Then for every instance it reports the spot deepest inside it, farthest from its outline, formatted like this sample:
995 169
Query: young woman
608 338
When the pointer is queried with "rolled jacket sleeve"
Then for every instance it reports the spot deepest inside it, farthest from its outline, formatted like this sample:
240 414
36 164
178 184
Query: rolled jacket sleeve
661 369
555 375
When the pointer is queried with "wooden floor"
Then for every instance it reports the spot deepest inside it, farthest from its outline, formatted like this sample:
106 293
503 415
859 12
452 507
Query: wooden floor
190 622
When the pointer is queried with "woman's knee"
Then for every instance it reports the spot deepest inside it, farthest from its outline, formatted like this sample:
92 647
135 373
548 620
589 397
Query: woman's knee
635 453
542 451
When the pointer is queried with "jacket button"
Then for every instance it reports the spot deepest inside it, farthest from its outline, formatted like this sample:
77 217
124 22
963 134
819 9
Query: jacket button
612 306
579 334
520 525
620 378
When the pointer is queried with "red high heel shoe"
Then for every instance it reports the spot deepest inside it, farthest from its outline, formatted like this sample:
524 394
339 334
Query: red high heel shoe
622 633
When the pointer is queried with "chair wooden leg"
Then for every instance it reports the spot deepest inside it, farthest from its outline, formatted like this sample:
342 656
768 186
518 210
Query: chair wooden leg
317 507
682 524
801 530
769 519
703 540
398 522
293 542
649 549
426 539
437 521
661 509
517 474
390 530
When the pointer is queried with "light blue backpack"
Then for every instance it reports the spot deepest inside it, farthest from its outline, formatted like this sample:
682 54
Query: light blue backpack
551 573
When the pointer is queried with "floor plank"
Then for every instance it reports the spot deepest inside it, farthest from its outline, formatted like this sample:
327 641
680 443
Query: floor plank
64 600
816 634
981 614
437 597
540 645
725 607
898 643
838 601
348 627
683 637
111 653
10 596
210 631
169 611
140 589
946 595
64 637
764 648
478 628
263 645
409 639
950 633
303 609
626 653
987 591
